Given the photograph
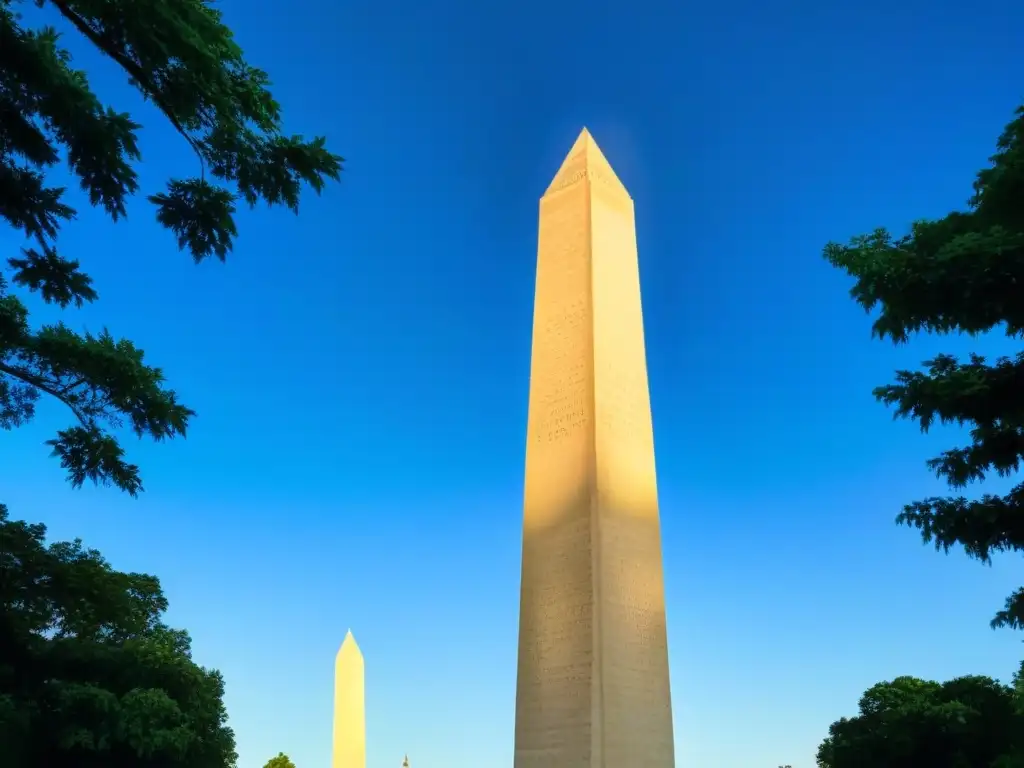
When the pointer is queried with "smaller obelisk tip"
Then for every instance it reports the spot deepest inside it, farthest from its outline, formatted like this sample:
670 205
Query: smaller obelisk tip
349 642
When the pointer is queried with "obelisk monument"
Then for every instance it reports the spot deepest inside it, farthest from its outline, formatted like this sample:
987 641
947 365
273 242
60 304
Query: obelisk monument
593 683
349 748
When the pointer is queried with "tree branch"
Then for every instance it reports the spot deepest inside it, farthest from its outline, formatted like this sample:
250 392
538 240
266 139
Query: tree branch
132 69
36 382
67 388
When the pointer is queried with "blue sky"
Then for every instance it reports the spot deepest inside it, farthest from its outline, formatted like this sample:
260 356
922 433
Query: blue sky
360 372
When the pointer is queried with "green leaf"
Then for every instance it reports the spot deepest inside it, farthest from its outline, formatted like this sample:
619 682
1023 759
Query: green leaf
962 273
185 61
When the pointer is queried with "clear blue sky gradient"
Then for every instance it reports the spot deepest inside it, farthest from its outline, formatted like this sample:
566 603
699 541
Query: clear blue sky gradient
361 371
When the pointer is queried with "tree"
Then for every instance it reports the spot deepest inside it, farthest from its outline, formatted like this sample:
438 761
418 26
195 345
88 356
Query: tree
969 722
90 676
281 761
961 273
182 58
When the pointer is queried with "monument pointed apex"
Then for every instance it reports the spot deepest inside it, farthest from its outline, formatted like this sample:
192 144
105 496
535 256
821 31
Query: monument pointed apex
585 160
349 642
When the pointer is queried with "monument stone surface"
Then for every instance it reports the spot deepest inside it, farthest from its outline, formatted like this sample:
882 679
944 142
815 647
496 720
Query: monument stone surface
593 682
349 747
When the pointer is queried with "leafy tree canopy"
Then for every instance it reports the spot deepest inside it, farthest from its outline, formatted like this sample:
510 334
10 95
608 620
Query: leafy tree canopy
90 676
961 273
969 722
281 761
182 58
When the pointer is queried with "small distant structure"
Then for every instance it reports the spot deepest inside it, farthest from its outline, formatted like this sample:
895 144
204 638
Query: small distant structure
349 750
405 762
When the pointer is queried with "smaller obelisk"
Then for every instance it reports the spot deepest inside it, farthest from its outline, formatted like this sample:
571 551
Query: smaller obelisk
349 707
